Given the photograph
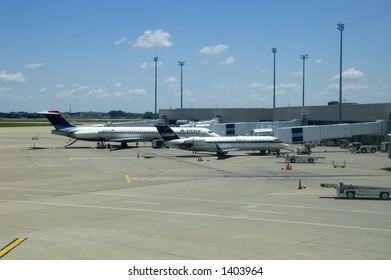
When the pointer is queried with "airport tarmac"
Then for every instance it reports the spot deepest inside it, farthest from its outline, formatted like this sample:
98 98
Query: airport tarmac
144 203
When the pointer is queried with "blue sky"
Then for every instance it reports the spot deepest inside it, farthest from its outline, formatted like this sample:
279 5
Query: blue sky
98 55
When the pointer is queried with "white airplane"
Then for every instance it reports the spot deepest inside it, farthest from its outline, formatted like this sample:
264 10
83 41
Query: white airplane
221 144
122 135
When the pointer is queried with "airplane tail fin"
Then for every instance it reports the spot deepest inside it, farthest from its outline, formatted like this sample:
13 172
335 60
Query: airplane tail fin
56 119
166 132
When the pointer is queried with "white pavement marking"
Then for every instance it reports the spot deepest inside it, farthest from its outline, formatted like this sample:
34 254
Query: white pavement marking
261 211
198 215
206 200
141 202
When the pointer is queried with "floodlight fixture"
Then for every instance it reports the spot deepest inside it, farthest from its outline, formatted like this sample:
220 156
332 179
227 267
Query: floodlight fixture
274 50
155 59
181 64
341 28
303 57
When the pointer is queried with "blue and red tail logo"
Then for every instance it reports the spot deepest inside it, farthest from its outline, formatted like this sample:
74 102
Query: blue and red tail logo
57 120
166 132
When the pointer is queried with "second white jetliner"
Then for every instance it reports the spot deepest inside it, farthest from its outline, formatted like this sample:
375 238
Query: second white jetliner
222 144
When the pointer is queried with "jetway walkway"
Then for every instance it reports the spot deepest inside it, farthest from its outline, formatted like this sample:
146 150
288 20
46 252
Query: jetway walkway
301 134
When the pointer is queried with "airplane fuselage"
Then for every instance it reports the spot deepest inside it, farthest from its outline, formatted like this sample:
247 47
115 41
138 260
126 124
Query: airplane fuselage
228 143
125 134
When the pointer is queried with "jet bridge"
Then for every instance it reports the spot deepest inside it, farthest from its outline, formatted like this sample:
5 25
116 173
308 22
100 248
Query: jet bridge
302 134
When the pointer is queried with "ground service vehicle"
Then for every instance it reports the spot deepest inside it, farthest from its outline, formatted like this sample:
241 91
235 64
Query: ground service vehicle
295 158
344 144
304 150
352 191
357 147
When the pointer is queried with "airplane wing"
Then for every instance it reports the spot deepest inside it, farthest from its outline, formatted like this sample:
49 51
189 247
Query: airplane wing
229 149
133 139
222 153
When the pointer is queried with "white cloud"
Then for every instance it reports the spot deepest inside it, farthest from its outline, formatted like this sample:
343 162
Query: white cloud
34 65
137 92
187 93
257 85
296 74
82 88
15 78
350 74
229 60
220 86
318 61
171 80
348 87
213 50
146 65
100 94
60 86
354 87
333 87
42 90
83 93
121 41
292 86
151 39
265 86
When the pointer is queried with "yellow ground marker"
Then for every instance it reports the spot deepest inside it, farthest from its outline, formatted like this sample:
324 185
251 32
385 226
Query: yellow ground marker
11 246
128 180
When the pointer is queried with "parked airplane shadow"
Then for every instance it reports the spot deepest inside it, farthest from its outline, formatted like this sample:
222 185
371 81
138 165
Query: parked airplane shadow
201 156
111 148
212 155
196 155
258 154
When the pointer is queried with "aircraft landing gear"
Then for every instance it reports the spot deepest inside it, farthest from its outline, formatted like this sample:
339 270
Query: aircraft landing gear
124 145
100 145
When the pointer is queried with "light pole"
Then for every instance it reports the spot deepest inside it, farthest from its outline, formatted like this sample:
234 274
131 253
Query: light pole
341 28
274 50
156 60
303 57
181 64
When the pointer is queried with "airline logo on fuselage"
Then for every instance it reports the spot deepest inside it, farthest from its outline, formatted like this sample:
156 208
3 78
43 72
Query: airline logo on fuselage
190 131
168 134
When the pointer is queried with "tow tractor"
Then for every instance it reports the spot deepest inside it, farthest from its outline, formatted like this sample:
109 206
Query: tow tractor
357 147
305 149
297 158
352 191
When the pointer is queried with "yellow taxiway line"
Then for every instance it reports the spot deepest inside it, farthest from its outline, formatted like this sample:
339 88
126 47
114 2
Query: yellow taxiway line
127 178
11 246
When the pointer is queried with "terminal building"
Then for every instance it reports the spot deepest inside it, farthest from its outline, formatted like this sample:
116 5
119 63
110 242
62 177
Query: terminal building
313 115
367 123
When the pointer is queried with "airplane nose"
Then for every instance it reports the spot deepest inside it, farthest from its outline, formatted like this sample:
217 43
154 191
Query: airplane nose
286 146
